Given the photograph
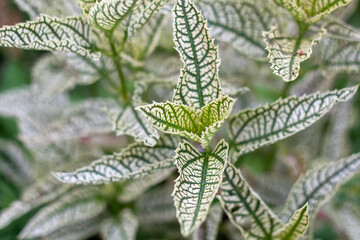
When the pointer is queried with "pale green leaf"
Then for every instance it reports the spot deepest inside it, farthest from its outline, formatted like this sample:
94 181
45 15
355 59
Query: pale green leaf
254 128
47 33
122 228
173 118
311 11
129 121
108 14
181 120
245 208
198 84
198 183
143 14
340 48
286 53
135 161
240 23
296 227
68 210
211 225
318 185
86 6
59 8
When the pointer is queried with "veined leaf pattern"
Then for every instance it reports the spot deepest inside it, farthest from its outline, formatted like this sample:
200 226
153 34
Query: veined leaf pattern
318 185
107 14
311 11
198 84
181 120
340 47
122 228
129 121
199 180
77 206
243 205
240 23
296 227
254 128
211 226
47 33
286 53
142 14
133 162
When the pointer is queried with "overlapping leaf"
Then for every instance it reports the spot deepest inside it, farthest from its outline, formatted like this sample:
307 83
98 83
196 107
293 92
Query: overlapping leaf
135 161
199 180
318 185
240 23
48 33
211 226
198 84
243 206
182 120
72 208
123 228
286 53
296 227
311 11
341 47
251 129
107 14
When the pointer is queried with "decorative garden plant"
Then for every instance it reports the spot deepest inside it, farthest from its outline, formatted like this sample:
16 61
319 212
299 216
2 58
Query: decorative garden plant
124 47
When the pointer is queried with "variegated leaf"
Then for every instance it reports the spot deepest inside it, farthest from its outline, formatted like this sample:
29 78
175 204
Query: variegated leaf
70 209
251 129
198 84
240 23
123 228
245 208
296 227
129 121
311 11
340 47
143 14
41 192
211 226
286 53
198 183
86 6
108 14
135 161
181 120
173 118
318 185
47 33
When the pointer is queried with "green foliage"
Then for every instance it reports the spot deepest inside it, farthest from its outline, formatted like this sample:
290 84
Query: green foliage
110 89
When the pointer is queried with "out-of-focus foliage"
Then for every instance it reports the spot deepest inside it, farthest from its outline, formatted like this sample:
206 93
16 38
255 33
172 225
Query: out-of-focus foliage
179 119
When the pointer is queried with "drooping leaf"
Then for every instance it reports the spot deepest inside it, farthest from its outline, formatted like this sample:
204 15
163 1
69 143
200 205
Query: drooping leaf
240 23
181 120
296 227
135 161
123 228
72 208
340 48
71 34
108 14
245 208
143 14
251 129
311 11
59 8
286 53
318 185
198 183
211 226
198 84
